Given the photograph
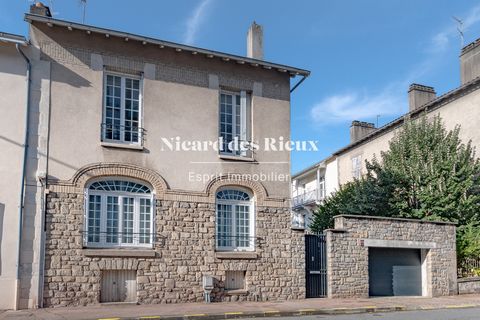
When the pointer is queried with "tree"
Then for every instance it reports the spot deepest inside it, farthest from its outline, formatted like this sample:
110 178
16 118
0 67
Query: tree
427 173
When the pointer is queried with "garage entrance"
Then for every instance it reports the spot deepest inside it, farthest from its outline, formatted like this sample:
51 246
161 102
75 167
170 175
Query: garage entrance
394 272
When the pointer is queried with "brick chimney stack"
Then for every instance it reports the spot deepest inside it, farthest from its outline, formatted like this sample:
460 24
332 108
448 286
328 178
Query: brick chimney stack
470 62
40 9
418 95
360 129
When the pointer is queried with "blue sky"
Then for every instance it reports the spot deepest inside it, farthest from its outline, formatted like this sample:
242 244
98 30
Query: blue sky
362 54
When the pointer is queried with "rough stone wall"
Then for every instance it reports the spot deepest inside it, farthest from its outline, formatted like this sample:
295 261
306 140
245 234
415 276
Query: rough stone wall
469 285
348 256
185 251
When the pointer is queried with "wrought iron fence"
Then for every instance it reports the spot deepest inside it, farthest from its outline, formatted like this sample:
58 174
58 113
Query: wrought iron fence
227 243
469 267
112 239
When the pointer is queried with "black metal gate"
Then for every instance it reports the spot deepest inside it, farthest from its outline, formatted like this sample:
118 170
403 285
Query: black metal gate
316 265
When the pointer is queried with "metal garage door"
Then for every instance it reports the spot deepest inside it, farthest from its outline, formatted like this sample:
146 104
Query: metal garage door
119 286
394 272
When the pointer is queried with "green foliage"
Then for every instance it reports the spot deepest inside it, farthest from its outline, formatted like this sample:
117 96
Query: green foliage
468 241
427 173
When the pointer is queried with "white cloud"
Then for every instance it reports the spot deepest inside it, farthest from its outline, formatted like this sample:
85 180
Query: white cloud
195 20
392 99
356 105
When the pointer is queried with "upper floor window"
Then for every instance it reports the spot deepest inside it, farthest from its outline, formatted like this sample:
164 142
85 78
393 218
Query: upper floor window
235 222
234 124
122 109
357 167
118 213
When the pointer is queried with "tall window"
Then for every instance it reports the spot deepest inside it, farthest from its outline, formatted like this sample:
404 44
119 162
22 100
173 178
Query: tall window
233 123
122 109
235 221
357 167
118 213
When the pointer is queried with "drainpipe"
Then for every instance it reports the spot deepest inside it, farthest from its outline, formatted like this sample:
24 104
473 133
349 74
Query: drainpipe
24 169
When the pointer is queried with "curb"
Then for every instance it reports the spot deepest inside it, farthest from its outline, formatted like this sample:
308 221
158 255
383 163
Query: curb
295 313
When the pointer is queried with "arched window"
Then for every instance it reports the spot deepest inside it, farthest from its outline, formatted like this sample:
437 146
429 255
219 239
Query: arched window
235 223
118 213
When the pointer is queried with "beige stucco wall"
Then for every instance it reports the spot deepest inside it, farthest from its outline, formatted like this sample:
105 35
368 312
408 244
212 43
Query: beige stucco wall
463 111
180 100
331 176
12 130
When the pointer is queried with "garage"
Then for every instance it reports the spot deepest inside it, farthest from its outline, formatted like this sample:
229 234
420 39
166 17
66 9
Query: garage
394 272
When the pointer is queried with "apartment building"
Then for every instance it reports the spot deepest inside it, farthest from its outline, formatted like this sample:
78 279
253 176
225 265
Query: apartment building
139 191
459 106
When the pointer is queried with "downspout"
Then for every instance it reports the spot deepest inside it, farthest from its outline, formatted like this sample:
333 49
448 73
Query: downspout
24 169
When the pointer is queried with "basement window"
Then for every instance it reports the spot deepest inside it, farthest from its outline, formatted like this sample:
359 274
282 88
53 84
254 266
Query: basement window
235 280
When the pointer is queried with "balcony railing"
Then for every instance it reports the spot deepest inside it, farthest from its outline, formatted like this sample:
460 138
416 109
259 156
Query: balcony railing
236 243
309 197
122 134
118 239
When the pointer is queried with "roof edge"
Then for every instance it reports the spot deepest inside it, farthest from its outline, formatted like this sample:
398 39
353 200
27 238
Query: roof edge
29 17
13 38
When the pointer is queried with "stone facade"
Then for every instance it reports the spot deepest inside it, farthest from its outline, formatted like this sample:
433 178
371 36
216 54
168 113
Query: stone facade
184 249
348 252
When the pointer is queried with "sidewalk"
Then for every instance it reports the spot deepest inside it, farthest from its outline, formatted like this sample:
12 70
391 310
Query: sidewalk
246 309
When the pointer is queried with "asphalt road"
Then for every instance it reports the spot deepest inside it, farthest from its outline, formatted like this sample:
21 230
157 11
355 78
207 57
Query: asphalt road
445 314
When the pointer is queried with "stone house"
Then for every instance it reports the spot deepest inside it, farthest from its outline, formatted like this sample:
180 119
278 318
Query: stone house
128 198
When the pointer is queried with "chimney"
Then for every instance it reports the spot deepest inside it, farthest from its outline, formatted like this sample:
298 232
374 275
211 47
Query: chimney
360 129
255 41
40 9
470 62
418 95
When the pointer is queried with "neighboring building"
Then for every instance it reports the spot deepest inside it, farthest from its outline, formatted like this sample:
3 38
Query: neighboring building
309 188
122 216
457 107
13 101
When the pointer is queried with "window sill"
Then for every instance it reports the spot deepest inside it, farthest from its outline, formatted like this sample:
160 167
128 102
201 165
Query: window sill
236 255
119 253
237 292
235 158
121 145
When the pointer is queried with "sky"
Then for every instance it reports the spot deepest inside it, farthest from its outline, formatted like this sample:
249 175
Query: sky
362 55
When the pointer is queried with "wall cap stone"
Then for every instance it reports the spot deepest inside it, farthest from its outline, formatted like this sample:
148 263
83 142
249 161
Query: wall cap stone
469 279
353 216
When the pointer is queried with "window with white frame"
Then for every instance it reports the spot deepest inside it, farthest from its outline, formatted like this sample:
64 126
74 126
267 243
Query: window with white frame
118 213
357 167
122 109
234 123
235 223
